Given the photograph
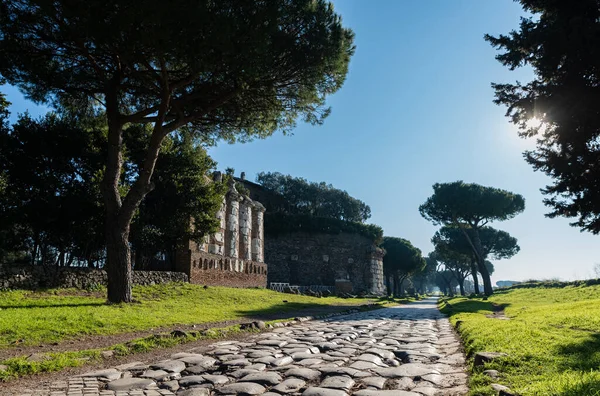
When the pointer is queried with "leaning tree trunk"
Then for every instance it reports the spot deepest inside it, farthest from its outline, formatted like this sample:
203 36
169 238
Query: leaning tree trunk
485 275
474 273
461 285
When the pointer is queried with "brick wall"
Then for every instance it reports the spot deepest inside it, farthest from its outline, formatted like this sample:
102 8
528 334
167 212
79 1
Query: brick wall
215 270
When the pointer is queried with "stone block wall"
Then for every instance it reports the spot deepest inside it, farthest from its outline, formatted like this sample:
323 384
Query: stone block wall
325 259
233 256
37 277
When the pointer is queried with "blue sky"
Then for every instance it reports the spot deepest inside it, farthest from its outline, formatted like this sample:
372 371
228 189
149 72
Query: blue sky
417 109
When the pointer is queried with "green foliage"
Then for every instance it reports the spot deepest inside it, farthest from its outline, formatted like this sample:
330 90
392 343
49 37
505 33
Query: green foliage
183 191
496 243
469 207
53 207
280 223
301 197
561 42
262 64
551 339
228 70
470 204
401 260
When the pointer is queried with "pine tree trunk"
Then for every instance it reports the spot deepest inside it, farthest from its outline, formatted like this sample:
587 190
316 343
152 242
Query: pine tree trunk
485 275
461 284
118 264
474 273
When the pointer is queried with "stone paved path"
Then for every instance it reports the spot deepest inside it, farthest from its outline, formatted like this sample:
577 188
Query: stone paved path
403 351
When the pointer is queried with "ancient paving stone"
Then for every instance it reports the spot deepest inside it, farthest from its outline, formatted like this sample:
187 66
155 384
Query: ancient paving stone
109 374
172 366
127 384
368 392
265 378
338 382
194 392
406 370
304 373
290 385
410 350
242 388
316 391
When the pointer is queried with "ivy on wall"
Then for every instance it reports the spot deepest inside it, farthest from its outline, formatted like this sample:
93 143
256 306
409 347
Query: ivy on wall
277 224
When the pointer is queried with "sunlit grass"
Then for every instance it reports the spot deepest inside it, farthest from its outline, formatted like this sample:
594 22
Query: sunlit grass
552 339
31 318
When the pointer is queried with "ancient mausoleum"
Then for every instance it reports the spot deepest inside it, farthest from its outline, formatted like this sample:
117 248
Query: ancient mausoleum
347 261
234 255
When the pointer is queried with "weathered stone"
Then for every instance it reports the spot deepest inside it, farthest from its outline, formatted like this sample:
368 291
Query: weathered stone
338 382
304 373
109 374
265 378
491 373
155 374
316 391
171 366
368 392
502 390
127 384
481 358
242 388
194 392
406 370
290 385
192 380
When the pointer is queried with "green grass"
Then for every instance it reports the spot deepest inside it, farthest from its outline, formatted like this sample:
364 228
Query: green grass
32 318
552 339
57 315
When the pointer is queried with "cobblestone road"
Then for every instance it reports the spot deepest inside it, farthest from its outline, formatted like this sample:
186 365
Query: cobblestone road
401 351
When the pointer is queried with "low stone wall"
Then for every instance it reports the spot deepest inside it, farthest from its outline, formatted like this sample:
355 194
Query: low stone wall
37 277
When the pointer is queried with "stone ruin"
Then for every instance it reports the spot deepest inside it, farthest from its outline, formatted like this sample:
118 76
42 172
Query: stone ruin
347 262
234 255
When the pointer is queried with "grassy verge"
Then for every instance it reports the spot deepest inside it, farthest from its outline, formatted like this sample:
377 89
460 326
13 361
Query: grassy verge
31 318
53 315
552 339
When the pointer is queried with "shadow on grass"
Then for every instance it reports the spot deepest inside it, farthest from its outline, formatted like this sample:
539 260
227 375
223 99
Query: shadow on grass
583 355
286 310
54 305
471 306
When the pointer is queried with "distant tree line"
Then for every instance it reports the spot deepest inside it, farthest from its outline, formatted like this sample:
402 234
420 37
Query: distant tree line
301 197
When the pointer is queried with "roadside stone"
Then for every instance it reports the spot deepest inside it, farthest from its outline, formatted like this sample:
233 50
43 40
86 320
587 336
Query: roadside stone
155 374
502 390
481 358
491 373
368 392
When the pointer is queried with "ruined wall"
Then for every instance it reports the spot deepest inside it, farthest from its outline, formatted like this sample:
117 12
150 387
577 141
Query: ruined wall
233 256
347 261
37 277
